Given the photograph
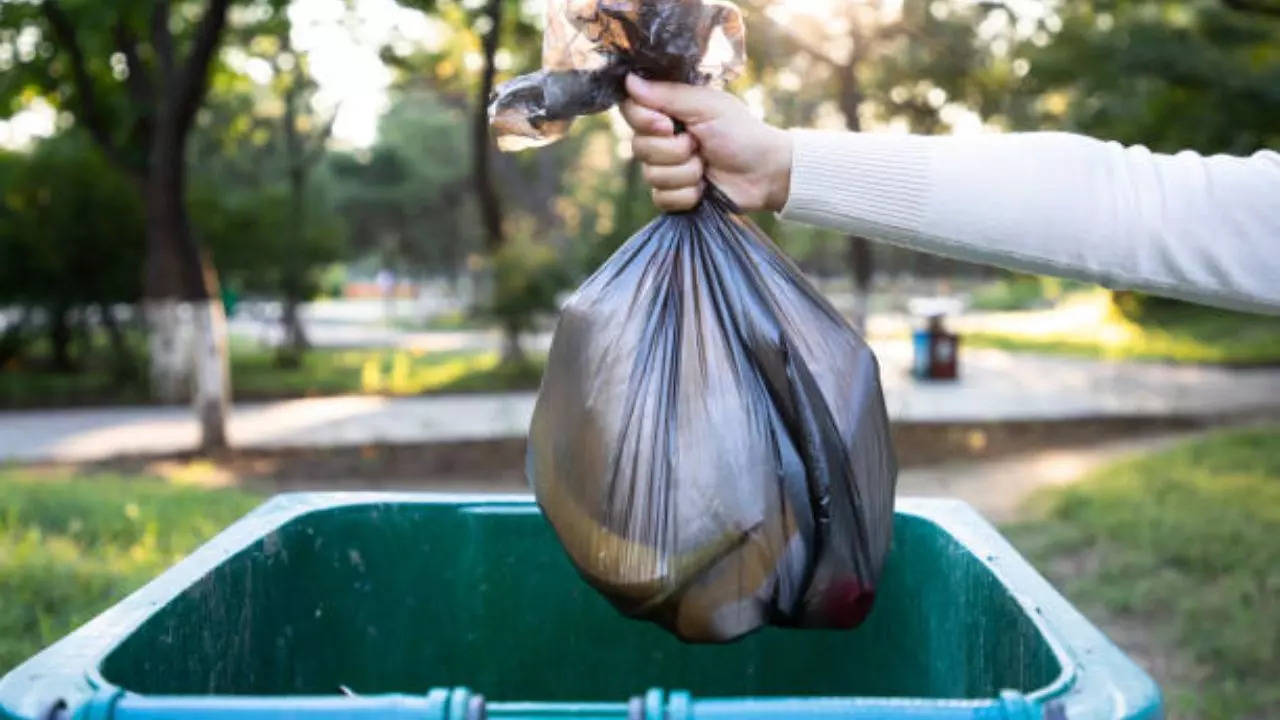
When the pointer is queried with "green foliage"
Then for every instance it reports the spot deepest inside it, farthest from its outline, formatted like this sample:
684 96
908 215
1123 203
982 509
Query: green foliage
71 237
527 276
256 240
407 199
1169 74
72 545
1184 544
256 375
70 227
1022 292
391 372
1091 326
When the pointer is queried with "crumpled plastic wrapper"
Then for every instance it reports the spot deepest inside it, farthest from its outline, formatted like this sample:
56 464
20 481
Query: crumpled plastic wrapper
588 48
710 442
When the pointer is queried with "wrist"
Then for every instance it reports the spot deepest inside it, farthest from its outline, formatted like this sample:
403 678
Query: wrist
778 162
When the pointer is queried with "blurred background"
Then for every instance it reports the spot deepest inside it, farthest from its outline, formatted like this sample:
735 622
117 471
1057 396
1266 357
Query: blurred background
251 246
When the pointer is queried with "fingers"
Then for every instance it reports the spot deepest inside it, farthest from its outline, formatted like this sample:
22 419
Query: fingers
690 103
660 150
646 121
677 200
674 177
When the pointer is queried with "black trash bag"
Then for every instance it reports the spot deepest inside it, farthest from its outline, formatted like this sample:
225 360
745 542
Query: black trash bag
589 46
710 441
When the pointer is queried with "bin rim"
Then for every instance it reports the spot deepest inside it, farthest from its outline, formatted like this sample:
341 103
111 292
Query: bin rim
70 669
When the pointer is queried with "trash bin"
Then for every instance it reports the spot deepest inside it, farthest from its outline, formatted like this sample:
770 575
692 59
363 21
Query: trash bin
452 607
935 351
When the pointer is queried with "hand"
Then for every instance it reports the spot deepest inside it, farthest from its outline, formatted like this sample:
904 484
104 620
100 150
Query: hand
747 159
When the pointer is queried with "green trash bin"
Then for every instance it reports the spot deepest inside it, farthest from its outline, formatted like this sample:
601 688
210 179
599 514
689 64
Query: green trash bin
458 607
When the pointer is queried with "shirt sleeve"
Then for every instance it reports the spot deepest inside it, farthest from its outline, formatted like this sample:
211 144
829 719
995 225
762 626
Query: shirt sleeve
1205 229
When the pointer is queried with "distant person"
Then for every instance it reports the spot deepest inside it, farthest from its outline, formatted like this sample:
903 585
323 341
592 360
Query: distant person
1205 229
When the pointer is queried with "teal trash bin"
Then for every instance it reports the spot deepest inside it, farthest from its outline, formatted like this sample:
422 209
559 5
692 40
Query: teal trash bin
459 607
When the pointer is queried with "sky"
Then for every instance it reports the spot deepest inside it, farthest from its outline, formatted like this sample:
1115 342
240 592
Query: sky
343 49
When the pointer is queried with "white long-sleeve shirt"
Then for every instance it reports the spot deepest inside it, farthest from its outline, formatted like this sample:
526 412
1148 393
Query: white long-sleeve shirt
1200 228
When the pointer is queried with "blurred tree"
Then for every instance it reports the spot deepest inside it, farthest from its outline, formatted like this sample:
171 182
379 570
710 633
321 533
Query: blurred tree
528 277
133 74
1170 75
482 35
261 244
56 252
257 201
921 65
304 145
408 197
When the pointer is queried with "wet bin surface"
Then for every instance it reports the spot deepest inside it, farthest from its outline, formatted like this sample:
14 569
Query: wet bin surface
407 599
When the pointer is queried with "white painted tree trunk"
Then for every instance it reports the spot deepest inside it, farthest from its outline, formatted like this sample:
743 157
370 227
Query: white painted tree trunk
212 392
169 339
189 359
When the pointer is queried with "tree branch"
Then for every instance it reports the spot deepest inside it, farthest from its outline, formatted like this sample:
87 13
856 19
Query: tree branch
162 42
139 80
795 40
90 112
312 154
194 79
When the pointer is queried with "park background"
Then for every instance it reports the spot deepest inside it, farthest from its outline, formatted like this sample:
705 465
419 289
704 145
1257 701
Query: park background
251 246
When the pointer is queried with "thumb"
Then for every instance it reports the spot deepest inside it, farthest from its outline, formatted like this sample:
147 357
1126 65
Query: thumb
687 103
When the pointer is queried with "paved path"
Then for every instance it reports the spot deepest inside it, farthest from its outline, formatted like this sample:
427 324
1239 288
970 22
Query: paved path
999 488
995 386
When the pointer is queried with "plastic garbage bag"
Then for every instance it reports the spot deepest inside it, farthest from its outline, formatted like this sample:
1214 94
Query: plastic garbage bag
710 441
589 46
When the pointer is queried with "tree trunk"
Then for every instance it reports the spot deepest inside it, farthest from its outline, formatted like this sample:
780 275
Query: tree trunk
212 373
187 322
60 337
490 206
859 257
14 337
295 341
626 219
512 352
295 337
121 358
860 266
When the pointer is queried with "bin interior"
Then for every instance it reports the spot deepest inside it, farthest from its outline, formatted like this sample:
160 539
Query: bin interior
403 597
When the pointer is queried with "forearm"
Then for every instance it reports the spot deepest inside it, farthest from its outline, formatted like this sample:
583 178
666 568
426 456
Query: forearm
1205 229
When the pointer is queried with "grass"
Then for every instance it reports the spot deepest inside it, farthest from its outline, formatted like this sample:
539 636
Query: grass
1089 326
256 375
1021 292
72 546
1184 544
454 320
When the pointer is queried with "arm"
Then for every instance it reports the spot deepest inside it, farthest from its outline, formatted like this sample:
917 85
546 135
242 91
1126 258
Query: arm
1203 229
1200 228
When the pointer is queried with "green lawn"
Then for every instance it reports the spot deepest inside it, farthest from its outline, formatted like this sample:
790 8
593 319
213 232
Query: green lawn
1184 546
1090 327
70 547
256 375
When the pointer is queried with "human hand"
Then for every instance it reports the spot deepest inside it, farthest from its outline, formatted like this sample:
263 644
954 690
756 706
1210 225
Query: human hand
747 159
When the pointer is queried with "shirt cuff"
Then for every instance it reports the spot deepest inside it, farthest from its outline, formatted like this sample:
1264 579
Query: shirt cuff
862 183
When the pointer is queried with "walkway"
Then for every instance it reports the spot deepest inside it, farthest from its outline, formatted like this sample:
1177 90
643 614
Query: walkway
995 386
